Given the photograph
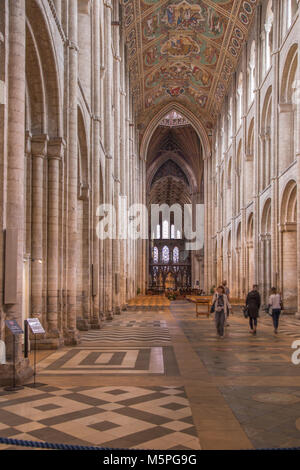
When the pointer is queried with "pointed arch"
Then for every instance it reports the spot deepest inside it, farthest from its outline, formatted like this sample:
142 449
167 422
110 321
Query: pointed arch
193 120
37 18
289 204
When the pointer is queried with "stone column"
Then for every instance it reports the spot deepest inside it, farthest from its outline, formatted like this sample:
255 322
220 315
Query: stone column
243 255
116 91
297 156
96 316
268 263
39 152
273 146
126 188
207 232
71 334
123 155
16 178
56 148
145 243
108 134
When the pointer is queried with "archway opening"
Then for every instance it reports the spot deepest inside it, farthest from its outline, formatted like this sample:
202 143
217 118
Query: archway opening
174 180
289 247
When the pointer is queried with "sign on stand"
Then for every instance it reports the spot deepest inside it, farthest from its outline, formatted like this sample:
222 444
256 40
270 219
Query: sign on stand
14 327
35 326
36 329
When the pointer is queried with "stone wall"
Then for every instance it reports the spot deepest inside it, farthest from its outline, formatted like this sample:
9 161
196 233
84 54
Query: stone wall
68 143
254 170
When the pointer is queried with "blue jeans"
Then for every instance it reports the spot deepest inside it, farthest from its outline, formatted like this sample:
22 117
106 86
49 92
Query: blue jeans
276 315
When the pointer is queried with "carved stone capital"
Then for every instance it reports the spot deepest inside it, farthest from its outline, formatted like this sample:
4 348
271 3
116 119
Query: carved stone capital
96 118
107 4
72 45
264 237
39 145
56 148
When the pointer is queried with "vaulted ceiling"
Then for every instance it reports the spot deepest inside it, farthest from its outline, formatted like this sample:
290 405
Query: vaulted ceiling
185 51
174 165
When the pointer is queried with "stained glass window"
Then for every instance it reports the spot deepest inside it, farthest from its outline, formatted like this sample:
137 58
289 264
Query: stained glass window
155 254
172 231
176 255
174 119
165 230
158 231
165 254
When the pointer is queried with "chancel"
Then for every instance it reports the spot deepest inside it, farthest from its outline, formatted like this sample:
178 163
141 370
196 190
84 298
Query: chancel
110 109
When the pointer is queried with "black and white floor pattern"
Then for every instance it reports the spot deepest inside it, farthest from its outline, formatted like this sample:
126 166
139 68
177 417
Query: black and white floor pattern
129 332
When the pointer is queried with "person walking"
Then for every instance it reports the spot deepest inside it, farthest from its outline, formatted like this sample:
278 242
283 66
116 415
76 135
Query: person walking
253 303
227 293
275 304
220 305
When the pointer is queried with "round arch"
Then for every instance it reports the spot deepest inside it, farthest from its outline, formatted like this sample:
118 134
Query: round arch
289 203
289 74
288 242
266 218
266 111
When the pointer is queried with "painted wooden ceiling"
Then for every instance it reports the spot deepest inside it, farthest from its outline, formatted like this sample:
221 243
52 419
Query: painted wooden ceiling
185 51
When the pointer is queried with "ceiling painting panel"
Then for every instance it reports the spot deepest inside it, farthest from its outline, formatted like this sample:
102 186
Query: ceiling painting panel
185 51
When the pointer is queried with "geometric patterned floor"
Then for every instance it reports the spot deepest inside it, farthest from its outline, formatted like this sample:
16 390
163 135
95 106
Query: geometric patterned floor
85 360
123 417
153 332
158 379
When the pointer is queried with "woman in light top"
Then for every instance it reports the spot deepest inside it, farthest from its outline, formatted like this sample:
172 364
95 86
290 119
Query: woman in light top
220 305
275 304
